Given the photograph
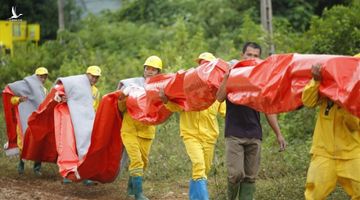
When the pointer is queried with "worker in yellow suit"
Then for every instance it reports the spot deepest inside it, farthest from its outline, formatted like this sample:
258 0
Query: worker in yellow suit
136 136
93 73
199 131
336 146
42 74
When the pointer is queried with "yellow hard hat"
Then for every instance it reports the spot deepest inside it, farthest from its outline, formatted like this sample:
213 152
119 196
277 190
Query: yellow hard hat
41 71
357 55
206 56
94 70
153 61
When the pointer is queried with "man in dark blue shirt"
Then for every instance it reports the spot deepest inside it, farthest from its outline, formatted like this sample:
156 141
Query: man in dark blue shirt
243 136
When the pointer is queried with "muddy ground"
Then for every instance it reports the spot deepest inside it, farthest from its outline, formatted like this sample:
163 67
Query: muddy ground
49 187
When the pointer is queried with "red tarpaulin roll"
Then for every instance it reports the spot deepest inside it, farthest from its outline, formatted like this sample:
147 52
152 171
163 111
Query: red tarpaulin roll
68 159
174 90
194 89
11 112
275 85
201 84
39 141
102 162
145 105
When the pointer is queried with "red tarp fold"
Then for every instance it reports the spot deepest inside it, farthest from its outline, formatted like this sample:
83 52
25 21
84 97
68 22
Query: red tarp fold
68 159
202 83
193 90
102 162
275 85
39 141
145 105
11 112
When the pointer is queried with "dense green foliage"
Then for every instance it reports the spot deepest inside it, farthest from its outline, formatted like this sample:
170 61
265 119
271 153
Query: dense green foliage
337 31
179 30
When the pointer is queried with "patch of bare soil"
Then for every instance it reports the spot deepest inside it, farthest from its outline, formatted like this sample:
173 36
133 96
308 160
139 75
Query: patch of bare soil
28 187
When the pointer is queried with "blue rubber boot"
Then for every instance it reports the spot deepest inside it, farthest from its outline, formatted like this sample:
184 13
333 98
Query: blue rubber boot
66 181
130 190
198 190
21 167
137 188
37 168
88 182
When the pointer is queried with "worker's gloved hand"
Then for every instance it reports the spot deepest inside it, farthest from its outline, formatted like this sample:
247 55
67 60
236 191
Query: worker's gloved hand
60 98
6 145
127 90
57 98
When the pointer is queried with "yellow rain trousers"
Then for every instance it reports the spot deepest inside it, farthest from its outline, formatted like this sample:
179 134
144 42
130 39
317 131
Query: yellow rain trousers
199 130
335 149
137 139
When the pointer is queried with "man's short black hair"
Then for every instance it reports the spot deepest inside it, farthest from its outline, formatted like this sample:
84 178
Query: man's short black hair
251 44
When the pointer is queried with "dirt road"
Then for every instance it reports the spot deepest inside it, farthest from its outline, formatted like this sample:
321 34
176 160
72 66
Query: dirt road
28 187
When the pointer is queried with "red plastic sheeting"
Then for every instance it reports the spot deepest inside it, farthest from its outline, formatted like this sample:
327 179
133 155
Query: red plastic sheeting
194 89
11 120
146 105
39 141
276 84
102 162
68 160
202 83
174 90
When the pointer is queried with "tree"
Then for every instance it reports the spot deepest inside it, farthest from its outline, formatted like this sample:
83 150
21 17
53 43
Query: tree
337 32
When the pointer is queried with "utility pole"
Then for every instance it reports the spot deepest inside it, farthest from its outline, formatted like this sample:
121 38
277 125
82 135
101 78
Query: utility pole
61 15
266 22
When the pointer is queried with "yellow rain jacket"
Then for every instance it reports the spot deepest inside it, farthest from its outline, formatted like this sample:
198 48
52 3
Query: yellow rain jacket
337 132
199 130
129 125
202 125
137 139
335 149
16 100
96 97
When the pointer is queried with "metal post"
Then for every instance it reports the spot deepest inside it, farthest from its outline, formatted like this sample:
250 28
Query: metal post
266 21
61 15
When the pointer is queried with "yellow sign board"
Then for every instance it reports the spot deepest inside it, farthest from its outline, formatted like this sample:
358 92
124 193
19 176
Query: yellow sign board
33 32
11 31
6 36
